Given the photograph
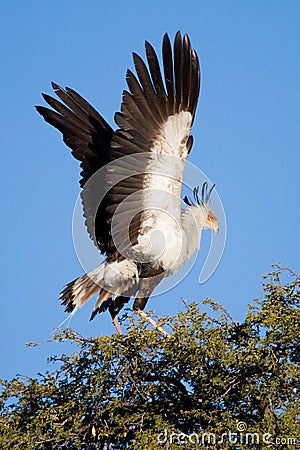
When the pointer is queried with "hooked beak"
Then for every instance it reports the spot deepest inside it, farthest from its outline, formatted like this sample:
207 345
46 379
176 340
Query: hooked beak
215 228
213 225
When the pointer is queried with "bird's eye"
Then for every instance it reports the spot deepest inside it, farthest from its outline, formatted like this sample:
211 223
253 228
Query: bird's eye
210 217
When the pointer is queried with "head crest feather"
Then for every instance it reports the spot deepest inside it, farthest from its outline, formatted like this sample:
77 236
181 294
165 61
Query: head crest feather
205 195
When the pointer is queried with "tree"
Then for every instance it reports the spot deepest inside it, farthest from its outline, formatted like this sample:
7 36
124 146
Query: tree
214 383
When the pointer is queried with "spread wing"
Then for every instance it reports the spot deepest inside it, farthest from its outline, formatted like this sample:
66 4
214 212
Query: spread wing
89 136
154 135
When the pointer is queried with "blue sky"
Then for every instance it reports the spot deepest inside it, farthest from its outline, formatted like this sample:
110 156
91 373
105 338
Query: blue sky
246 140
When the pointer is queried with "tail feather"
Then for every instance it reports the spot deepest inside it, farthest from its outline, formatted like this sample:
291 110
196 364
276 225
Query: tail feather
104 297
78 292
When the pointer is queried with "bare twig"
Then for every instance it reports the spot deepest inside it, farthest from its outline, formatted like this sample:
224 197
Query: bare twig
287 269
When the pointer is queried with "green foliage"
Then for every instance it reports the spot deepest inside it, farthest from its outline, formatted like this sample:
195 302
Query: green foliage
223 384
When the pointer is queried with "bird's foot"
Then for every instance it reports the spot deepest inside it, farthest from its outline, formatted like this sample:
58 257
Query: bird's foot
153 323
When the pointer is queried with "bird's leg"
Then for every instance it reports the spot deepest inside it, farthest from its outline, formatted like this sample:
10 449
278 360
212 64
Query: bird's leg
150 320
117 325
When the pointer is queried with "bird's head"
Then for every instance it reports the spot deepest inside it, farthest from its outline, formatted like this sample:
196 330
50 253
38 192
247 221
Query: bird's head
203 213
